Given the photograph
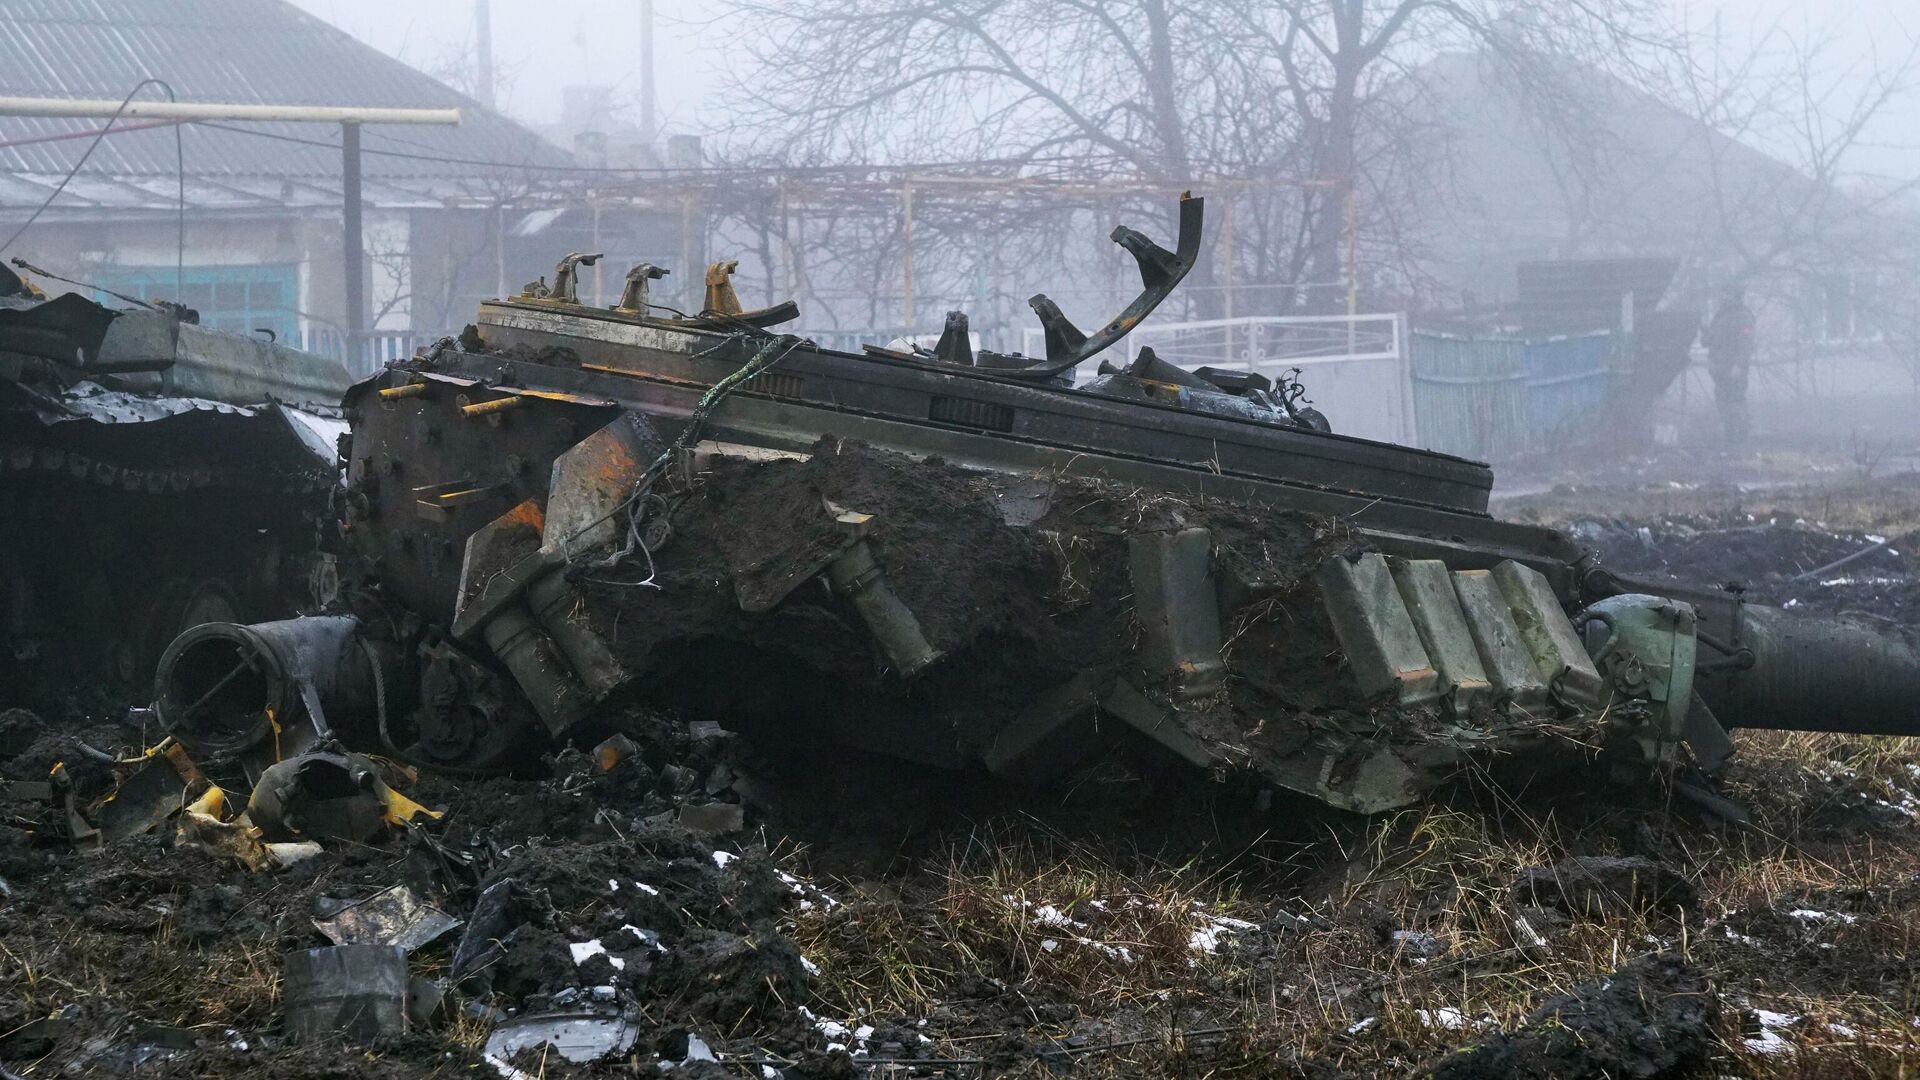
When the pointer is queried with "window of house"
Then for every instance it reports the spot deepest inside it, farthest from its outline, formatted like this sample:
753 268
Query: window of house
237 298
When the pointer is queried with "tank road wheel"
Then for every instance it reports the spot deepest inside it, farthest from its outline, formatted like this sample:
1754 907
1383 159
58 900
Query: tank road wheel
470 735
463 720
176 606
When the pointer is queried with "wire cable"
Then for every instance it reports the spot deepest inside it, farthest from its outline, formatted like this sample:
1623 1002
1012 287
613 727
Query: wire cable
99 137
771 170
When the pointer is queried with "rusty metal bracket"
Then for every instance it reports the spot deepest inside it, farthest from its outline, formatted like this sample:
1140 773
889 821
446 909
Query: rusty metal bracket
721 299
635 297
1160 271
954 346
566 276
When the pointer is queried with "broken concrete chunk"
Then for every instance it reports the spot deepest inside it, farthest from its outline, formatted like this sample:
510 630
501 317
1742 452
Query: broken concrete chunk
1427 590
1505 658
1383 648
356 992
1548 634
1178 606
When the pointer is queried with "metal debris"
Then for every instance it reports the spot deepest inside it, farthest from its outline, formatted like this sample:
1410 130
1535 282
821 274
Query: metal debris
358 992
396 916
577 1037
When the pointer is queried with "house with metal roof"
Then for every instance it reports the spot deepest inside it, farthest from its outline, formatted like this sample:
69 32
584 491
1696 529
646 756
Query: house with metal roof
242 221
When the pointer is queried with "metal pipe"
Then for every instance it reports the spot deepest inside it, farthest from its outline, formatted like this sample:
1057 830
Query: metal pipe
1835 673
99 109
355 252
489 408
649 131
483 46
405 390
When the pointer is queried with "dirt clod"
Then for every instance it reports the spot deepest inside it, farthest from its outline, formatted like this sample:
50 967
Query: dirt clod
1600 885
1652 1018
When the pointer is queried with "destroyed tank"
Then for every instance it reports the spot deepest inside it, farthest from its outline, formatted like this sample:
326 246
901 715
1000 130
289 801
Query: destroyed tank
127 439
965 560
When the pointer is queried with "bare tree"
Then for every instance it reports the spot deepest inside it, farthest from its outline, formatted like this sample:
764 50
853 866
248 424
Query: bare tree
1813 111
1282 102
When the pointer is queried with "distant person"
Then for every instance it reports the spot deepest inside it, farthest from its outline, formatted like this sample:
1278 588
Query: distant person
1729 342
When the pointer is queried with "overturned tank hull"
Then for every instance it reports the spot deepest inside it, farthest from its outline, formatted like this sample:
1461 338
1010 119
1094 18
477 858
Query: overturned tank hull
144 494
967 562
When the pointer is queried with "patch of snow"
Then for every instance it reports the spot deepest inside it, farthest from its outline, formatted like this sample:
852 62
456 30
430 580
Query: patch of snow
842 1037
722 858
646 888
645 937
1449 1018
1770 1041
1842 1030
809 893
1215 927
1112 952
1363 1024
698 1050
812 968
1048 915
1049 945
1808 915
585 950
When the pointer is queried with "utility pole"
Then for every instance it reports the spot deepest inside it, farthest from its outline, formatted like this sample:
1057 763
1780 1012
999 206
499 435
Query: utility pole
483 46
350 118
355 255
648 131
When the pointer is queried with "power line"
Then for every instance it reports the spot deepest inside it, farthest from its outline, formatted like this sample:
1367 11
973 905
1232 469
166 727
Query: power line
180 170
717 170
69 135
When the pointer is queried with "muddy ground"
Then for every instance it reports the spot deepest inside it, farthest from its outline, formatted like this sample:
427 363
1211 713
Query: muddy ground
878 919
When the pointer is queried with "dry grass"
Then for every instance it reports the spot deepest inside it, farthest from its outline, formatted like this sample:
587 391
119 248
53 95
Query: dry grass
1019 931
1839 501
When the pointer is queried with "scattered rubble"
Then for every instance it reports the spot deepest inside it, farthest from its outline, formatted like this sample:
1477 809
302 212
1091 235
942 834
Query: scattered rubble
1653 1018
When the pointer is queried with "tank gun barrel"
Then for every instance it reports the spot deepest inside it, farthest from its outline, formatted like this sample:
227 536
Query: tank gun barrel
1838 673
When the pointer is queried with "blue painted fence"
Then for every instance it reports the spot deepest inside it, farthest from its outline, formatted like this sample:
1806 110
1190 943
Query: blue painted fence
1499 398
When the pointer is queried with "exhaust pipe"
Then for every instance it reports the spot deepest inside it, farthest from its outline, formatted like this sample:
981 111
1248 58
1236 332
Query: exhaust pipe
224 688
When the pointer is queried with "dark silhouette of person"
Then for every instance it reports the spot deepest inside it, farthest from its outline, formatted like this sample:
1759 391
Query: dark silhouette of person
1729 340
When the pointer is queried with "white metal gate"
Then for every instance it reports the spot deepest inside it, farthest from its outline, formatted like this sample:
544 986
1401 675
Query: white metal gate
1354 367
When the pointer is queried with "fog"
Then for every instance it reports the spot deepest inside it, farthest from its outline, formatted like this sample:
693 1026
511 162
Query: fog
541 48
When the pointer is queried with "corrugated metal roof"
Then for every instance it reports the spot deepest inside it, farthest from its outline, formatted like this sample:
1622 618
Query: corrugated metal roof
231 51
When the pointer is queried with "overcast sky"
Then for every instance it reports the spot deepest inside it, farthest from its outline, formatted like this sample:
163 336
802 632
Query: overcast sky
543 45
